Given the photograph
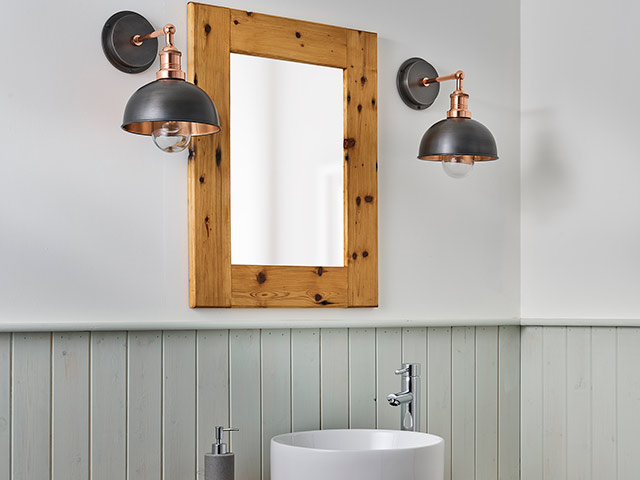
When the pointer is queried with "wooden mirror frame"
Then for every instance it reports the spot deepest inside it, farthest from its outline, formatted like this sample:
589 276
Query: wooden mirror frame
215 33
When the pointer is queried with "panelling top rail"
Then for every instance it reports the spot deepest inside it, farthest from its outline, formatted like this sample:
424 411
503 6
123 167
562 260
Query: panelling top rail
215 33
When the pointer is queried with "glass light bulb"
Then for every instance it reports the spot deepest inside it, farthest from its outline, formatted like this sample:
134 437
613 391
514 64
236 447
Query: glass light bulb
171 138
457 167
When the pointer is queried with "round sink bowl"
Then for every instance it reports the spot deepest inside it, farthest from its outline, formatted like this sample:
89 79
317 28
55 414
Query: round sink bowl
357 455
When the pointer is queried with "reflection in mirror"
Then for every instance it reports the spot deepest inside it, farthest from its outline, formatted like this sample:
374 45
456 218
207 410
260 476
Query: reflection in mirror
286 163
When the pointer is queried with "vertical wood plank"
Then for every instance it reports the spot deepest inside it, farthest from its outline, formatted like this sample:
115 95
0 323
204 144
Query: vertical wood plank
463 402
361 168
554 452
628 402
108 405
389 358
144 406
509 403
212 390
209 162
276 390
362 378
604 405
579 390
334 378
305 381
244 362
486 413
439 390
179 401
5 405
70 409
31 403
414 350
532 405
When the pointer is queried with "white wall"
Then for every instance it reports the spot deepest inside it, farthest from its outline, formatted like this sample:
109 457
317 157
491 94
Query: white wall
94 221
580 168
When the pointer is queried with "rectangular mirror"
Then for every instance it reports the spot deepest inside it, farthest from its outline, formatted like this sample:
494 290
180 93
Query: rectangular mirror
287 205
283 201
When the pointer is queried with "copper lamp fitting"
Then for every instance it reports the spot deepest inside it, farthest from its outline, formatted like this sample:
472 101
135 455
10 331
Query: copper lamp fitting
459 98
170 56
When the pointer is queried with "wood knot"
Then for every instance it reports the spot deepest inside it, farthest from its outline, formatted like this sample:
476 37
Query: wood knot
363 80
373 102
201 179
349 142
207 29
298 35
261 277
365 254
218 156
206 219
318 297
236 22
348 97
359 108
319 271
346 157
249 14
358 201
354 256
192 153
368 199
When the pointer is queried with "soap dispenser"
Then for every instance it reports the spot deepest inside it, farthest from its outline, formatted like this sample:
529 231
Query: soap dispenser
219 464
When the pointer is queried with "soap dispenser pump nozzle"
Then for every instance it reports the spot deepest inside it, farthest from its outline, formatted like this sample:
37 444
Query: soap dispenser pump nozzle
220 448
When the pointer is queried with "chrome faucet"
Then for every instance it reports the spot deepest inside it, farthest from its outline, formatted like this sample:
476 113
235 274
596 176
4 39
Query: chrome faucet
409 397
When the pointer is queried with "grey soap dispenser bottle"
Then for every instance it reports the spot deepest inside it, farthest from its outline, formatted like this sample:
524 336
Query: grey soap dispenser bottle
219 464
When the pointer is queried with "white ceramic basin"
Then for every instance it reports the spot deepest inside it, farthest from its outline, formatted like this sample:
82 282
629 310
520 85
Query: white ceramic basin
357 455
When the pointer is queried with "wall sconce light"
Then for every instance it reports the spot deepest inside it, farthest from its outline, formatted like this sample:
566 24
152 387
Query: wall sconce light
169 109
457 141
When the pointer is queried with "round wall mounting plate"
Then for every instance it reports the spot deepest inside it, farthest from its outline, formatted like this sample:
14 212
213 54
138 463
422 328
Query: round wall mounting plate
116 42
409 81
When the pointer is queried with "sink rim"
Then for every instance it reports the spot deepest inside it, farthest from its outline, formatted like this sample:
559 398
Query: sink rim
437 440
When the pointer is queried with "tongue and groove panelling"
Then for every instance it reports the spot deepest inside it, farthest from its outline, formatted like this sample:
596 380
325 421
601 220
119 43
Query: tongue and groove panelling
580 403
142 405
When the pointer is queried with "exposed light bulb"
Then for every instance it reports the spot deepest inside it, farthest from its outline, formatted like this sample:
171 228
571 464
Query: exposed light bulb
457 167
170 138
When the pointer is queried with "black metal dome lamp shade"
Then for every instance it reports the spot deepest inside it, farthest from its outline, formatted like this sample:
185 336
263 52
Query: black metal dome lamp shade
457 141
169 109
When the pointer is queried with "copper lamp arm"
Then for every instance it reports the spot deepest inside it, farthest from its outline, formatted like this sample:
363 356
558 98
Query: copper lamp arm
168 30
459 99
458 77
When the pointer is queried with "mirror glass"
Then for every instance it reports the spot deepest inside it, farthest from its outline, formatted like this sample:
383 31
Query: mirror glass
286 163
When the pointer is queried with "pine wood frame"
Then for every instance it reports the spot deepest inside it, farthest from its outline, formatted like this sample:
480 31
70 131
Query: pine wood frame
214 33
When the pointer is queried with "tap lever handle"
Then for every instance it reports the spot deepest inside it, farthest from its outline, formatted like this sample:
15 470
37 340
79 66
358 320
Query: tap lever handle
409 370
